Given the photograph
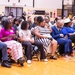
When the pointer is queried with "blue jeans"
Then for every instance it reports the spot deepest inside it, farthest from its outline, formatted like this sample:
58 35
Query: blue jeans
3 48
67 44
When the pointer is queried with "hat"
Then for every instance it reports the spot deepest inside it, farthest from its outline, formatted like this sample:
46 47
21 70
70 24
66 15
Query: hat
67 20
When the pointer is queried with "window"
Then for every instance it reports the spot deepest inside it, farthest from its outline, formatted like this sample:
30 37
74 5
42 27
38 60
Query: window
17 11
51 14
19 1
8 0
7 11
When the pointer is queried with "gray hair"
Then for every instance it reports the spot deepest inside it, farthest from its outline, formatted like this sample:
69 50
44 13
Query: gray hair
60 21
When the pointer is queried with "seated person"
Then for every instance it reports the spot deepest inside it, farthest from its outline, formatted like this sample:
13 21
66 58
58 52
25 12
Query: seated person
27 41
35 22
20 23
7 35
61 39
42 34
3 48
68 30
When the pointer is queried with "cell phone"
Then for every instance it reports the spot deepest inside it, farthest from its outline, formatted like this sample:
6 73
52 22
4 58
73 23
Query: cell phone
50 38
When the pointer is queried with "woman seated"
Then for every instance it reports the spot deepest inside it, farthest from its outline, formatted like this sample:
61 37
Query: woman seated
7 35
28 41
42 33
68 30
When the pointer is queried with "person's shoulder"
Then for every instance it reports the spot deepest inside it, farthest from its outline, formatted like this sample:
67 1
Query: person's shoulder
50 23
36 27
3 29
65 27
12 28
29 30
20 30
53 27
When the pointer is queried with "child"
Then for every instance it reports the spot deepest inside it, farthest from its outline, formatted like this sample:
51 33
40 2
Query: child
27 41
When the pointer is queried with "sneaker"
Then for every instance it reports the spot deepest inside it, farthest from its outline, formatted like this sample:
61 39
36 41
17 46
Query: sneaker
11 61
53 57
67 57
45 60
5 64
20 61
29 61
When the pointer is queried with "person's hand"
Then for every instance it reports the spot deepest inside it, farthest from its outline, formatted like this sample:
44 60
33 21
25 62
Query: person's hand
12 36
48 26
74 33
61 35
66 36
31 40
71 34
45 36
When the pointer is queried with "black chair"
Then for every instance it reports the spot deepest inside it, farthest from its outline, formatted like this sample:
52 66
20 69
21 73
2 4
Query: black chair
35 52
73 41
0 55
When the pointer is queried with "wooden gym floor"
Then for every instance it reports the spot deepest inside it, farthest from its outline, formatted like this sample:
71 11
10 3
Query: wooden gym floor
52 67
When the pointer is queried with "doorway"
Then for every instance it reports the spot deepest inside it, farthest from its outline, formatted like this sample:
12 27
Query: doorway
17 11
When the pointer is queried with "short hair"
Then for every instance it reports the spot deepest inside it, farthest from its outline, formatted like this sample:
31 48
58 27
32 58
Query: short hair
15 20
6 22
47 17
24 25
40 19
56 19
60 21
20 20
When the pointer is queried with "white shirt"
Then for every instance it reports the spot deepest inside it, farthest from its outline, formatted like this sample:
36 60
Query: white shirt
50 24
25 34
19 27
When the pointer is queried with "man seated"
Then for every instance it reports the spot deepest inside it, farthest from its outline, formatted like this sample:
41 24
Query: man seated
61 39
3 48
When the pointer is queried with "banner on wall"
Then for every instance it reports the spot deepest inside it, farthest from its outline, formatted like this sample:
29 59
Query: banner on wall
30 11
